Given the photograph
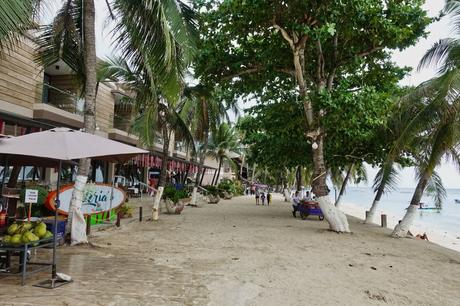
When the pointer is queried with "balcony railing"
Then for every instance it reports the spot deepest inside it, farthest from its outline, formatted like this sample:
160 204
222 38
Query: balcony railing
63 99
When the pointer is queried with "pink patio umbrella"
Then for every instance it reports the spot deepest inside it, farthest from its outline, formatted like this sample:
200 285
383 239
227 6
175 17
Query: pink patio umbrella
60 145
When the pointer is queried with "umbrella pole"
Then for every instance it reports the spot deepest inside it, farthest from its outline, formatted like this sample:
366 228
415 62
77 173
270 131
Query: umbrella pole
57 201
55 282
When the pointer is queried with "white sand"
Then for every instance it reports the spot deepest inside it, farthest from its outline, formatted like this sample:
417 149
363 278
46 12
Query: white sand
444 239
236 253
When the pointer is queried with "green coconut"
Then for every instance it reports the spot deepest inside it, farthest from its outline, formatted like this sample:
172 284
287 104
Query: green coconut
7 239
48 235
40 231
16 239
12 228
27 226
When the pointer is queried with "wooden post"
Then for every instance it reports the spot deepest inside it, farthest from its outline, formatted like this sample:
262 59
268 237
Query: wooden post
88 225
383 218
140 214
367 214
118 219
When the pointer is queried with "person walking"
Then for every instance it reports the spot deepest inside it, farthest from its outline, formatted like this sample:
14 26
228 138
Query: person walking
262 197
269 198
257 193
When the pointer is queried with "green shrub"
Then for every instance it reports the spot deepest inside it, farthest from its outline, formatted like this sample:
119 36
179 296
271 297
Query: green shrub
231 186
126 210
213 190
174 195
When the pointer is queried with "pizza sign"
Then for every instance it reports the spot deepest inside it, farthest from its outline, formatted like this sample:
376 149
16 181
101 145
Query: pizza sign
97 198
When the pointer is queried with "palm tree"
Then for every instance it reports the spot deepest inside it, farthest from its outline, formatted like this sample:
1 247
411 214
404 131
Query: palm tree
203 112
155 36
444 141
223 141
153 112
355 172
440 116
397 126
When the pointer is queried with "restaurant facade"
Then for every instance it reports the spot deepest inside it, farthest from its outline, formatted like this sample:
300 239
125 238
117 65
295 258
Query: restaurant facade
35 98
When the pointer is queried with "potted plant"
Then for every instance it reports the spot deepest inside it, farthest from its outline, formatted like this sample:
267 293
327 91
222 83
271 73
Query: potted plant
213 194
174 200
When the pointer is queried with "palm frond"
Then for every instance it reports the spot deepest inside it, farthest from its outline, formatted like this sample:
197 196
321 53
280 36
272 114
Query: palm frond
387 176
435 189
62 39
17 16
158 35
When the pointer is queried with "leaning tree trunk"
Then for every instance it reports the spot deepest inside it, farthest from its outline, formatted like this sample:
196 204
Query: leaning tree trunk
344 186
242 165
162 180
373 210
76 222
199 175
337 220
218 170
403 227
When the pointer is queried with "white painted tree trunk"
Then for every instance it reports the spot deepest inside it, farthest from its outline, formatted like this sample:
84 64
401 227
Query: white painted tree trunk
156 203
287 196
371 216
337 220
401 229
194 194
338 203
78 226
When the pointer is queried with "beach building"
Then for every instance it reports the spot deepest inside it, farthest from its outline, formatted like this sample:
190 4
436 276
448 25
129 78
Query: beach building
34 98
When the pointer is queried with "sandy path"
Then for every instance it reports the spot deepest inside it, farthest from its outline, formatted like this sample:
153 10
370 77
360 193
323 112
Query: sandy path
237 253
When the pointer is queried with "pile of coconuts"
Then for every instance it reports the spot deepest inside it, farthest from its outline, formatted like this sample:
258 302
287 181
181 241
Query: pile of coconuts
21 233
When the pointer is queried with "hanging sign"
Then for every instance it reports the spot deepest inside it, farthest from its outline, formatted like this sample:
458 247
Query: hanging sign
96 199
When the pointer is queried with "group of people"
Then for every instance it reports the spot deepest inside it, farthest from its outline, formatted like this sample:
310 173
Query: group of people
263 195
297 198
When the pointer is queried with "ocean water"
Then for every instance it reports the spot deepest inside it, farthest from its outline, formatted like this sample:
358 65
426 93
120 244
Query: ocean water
445 221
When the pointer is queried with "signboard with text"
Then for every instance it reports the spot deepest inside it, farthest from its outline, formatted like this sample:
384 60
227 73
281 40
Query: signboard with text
96 199
31 196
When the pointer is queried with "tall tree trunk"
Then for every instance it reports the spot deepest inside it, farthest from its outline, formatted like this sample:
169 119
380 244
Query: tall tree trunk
344 186
218 170
163 172
253 172
78 229
241 169
164 157
287 196
402 228
299 178
199 174
337 220
373 210
202 159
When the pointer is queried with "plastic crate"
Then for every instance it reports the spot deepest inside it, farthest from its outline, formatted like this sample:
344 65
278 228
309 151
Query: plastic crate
61 223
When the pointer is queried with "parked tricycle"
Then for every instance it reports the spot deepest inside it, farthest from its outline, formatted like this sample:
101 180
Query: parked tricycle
307 208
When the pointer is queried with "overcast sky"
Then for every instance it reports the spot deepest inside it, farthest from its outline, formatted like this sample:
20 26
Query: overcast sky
409 57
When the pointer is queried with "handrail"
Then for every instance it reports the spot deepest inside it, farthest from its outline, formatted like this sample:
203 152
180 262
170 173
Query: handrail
148 186
203 189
